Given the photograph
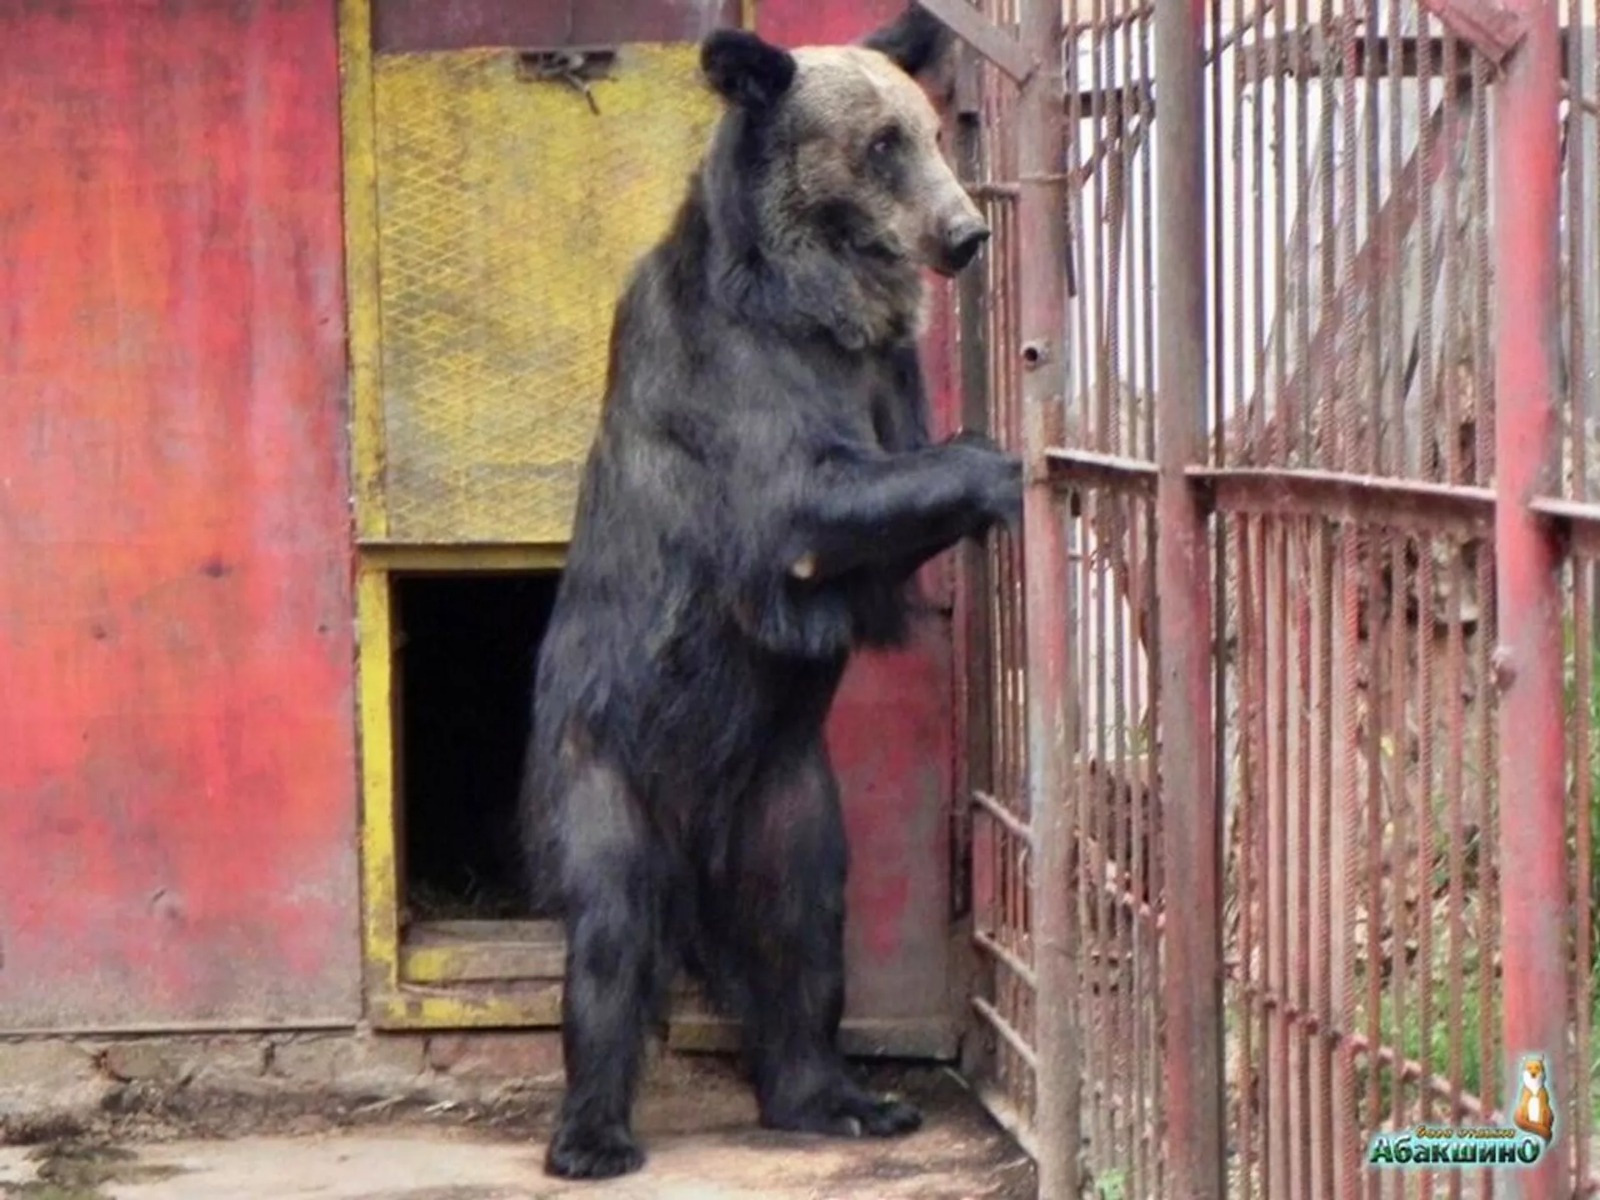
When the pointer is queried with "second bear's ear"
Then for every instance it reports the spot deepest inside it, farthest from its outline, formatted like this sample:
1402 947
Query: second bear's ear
915 41
746 70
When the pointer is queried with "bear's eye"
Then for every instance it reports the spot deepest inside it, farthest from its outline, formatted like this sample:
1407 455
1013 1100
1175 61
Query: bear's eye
885 144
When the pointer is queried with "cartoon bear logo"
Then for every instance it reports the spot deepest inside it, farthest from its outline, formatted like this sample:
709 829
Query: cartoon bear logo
1534 1114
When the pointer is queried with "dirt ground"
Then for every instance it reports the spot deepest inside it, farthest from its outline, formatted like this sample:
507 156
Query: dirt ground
695 1117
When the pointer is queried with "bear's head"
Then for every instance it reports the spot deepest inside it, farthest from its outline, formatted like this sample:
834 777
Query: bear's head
828 169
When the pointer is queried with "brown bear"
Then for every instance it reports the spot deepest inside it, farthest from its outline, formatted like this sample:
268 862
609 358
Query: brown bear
759 494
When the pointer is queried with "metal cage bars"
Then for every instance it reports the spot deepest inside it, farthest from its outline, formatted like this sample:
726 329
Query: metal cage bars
1389 604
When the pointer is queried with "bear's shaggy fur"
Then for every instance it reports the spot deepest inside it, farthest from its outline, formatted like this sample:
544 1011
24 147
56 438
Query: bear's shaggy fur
759 494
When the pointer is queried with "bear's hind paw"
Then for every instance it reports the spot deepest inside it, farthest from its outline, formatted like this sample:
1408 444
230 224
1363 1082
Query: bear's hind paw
852 1116
887 1117
593 1153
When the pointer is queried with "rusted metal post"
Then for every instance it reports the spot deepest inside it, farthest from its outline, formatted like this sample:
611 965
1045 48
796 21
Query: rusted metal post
1192 1055
1041 326
1528 660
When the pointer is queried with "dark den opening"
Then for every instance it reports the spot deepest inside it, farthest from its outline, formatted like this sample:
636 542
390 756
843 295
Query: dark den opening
464 659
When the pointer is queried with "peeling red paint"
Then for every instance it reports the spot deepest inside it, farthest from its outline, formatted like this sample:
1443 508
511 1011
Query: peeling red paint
177 807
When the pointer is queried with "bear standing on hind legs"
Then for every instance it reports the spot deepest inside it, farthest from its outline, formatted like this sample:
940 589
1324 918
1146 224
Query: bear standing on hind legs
758 497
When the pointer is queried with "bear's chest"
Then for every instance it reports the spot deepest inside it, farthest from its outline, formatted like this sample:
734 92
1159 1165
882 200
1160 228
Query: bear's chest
859 397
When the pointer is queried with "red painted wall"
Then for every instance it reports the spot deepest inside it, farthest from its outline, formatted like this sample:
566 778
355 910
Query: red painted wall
177 750
892 730
177 775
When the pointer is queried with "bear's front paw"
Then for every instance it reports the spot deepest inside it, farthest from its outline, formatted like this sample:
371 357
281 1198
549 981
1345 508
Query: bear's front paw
596 1152
1000 493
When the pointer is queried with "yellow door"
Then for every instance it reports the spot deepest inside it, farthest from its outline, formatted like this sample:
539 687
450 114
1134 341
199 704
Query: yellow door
497 194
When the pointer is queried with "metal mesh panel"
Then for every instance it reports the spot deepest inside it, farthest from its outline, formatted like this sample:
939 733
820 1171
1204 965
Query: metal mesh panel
510 214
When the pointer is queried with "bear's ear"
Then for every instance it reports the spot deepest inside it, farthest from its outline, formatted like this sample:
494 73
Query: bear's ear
746 70
915 41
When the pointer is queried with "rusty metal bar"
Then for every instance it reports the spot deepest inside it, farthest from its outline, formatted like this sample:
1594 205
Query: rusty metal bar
1006 958
1303 55
1492 29
1008 1033
1111 472
1337 495
1193 1067
1359 1046
1041 323
1528 661
998 812
1008 53
1575 521
1044 378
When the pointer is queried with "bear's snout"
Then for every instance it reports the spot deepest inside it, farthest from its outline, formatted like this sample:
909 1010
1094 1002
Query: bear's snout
962 241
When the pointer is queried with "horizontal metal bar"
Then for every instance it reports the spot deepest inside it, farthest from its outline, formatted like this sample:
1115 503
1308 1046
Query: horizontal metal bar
1074 469
1307 54
1402 503
984 36
1006 958
1002 1106
1577 521
1006 1030
1493 30
1409 1070
1004 816
994 191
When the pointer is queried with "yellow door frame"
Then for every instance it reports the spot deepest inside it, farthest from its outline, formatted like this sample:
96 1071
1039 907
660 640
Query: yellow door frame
456 974
443 983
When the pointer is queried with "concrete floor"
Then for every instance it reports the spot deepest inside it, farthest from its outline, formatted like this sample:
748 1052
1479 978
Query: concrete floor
702 1145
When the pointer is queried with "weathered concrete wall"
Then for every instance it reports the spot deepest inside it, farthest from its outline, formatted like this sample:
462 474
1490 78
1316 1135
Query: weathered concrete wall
50 1076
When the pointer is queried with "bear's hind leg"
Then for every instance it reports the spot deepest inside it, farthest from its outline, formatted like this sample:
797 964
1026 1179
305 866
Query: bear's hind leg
611 884
787 947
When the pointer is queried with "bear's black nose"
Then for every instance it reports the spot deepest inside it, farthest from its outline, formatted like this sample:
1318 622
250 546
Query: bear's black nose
963 243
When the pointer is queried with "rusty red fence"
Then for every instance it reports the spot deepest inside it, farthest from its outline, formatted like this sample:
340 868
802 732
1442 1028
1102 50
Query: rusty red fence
1284 764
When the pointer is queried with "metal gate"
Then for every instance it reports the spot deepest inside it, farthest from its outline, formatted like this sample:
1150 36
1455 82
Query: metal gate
1284 778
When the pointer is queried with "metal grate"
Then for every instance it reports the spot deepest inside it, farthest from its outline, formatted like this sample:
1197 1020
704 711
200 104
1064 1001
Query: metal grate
1001 834
1351 251
499 270
1388 669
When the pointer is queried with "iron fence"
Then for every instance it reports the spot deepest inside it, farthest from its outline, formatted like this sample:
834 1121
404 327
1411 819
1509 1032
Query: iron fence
1311 431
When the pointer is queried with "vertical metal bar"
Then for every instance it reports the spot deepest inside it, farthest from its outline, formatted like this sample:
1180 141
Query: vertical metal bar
1483 466
1193 984
1041 226
1579 366
1528 660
